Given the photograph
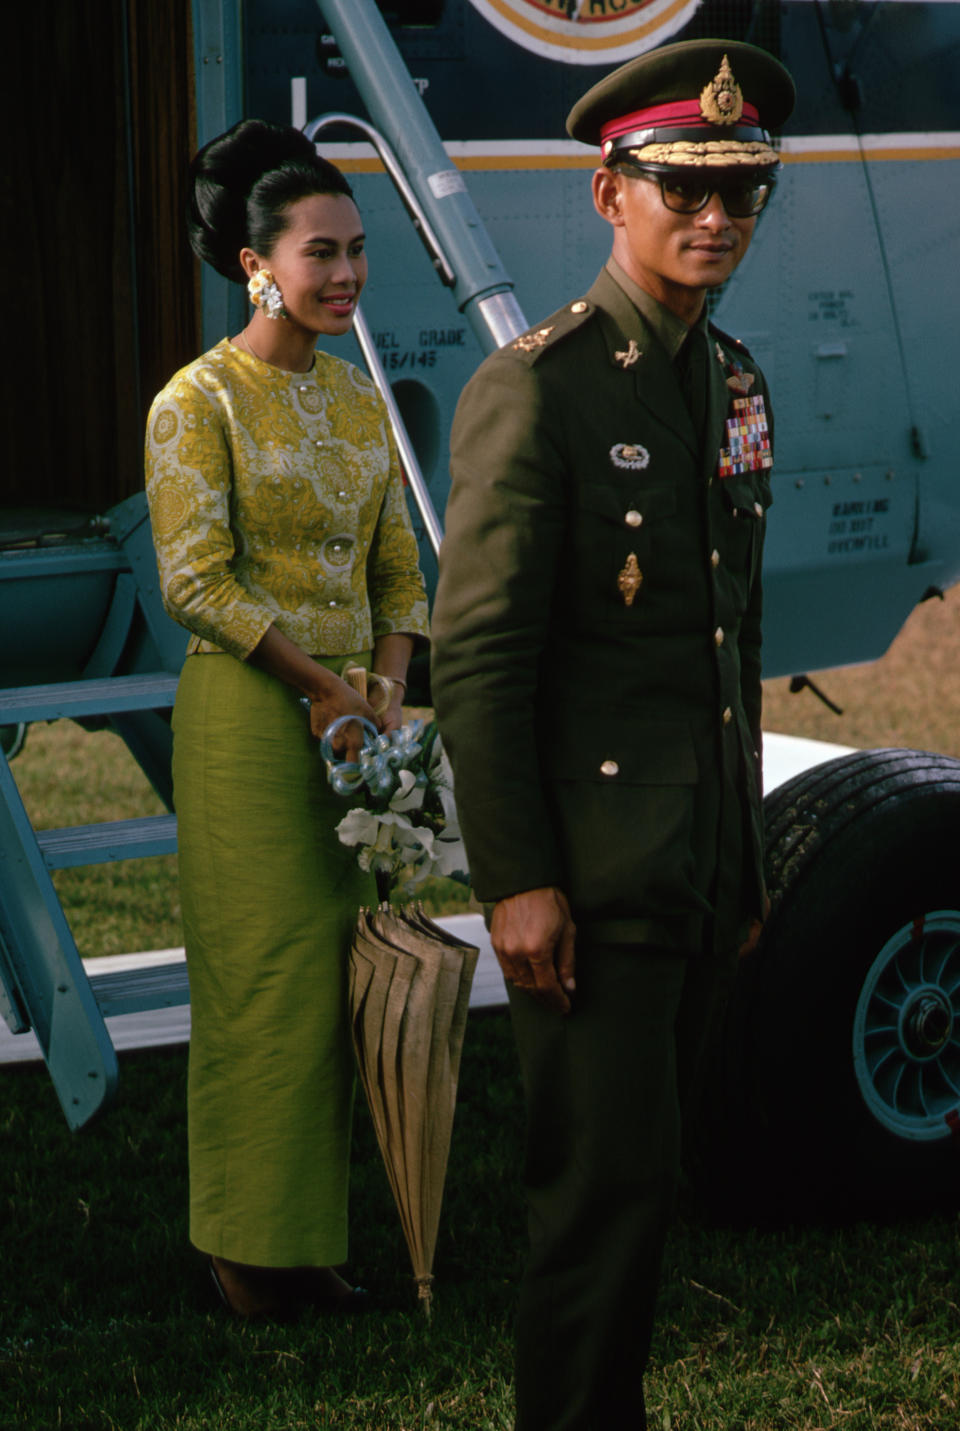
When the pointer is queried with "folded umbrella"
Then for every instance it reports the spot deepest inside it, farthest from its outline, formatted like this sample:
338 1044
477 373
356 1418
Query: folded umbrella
409 998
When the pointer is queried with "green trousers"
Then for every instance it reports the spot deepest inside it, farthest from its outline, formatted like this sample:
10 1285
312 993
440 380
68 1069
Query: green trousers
604 1087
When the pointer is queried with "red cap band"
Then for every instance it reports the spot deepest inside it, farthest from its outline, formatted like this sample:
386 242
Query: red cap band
681 114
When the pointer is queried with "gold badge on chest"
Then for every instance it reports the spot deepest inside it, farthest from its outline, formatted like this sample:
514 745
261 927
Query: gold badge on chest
630 580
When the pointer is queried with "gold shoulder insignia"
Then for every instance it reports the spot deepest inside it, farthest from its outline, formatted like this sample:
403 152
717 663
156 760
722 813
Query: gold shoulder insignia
628 358
530 341
721 101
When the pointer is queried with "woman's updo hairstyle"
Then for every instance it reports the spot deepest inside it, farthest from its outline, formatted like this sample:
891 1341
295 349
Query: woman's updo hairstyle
242 182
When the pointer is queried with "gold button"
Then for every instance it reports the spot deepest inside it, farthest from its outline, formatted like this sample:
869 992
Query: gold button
727 716
580 307
714 557
718 635
609 767
758 509
634 518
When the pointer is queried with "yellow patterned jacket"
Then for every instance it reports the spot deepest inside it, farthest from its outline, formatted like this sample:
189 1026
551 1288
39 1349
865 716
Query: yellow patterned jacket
277 498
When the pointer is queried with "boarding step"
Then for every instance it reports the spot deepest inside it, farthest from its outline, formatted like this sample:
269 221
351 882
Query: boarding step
151 691
111 840
137 991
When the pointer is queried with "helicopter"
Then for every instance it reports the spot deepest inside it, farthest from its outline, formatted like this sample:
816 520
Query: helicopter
447 117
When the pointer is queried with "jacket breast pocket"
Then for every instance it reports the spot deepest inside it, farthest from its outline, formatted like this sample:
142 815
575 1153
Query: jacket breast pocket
624 797
616 534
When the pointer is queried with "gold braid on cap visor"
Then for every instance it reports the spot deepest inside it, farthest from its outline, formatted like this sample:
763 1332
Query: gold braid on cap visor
710 154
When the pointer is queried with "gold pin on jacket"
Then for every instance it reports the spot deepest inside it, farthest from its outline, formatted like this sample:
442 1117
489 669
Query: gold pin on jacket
630 580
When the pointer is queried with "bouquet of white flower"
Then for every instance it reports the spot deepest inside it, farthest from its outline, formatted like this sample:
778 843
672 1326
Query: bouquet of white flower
405 822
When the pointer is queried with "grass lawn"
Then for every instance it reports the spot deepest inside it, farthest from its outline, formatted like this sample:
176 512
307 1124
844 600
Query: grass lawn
107 1320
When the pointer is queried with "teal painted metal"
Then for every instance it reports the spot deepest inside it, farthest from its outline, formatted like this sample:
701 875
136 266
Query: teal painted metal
88 610
218 66
41 968
43 981
397 111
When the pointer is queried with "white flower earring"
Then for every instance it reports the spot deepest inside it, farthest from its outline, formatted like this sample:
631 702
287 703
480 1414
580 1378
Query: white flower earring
265 294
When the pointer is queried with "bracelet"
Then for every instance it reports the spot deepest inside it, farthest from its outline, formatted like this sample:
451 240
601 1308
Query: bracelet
394 680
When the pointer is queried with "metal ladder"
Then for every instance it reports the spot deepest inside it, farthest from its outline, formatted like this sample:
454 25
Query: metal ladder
43 983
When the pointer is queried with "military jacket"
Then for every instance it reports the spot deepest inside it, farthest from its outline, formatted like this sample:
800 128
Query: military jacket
597 629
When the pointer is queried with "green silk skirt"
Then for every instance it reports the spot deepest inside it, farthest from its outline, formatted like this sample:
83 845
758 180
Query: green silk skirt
269 899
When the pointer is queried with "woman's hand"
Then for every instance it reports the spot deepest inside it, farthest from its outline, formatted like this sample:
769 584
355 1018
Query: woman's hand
391 655
336 699
392 717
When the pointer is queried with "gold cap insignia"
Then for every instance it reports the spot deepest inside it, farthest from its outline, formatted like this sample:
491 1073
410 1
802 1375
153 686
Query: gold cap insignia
630 580
721 101
530 341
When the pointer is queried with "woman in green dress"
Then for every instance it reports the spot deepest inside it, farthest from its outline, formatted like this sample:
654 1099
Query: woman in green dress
284 545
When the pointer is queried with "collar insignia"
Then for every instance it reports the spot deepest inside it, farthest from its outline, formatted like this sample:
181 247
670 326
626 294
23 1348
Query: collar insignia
628 358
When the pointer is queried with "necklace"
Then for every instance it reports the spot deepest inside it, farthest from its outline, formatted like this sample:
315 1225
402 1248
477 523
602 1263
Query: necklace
254 354
249 347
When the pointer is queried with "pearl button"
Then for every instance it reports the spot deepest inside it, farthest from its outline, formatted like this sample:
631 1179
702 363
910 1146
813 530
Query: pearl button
718 635
634 518
331 603
341 495
318 442
727 716
609 767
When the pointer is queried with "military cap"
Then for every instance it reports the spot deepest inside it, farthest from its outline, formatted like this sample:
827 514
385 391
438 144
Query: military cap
705 103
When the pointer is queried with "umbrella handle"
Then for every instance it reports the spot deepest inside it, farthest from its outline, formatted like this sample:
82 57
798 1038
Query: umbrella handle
345 775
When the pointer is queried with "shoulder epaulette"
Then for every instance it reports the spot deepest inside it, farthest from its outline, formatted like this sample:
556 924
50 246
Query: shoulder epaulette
544 336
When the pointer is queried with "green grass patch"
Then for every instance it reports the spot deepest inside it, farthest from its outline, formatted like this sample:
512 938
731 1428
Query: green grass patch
108 1320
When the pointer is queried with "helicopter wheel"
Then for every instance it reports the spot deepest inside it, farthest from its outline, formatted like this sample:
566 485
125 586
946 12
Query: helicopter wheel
836 1086
12 739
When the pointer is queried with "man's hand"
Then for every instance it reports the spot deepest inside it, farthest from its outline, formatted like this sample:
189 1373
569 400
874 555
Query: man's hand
533 938
756 929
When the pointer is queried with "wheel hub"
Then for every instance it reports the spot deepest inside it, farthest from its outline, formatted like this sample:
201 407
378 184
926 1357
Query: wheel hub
906 1030
927 1024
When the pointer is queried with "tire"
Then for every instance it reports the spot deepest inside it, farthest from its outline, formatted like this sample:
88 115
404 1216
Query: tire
12 739
836 1082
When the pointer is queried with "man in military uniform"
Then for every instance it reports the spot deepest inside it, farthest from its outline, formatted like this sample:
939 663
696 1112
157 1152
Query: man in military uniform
597 681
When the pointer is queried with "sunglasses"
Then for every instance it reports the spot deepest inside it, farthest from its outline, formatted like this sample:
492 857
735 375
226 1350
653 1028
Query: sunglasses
742 196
